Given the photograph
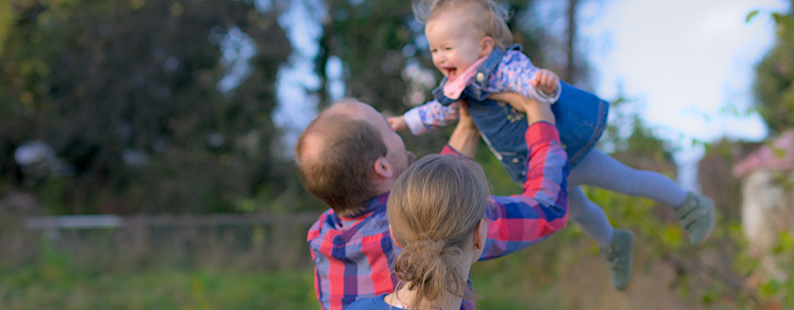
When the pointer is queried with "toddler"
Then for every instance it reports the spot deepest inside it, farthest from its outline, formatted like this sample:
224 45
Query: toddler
471 46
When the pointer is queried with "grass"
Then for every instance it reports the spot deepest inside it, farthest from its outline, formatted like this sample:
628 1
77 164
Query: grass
53 288
563 272
56 281
50 287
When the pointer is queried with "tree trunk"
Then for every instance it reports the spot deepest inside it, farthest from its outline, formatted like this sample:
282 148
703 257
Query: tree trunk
570 70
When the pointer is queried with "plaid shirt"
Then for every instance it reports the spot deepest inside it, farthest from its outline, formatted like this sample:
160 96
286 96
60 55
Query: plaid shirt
353 256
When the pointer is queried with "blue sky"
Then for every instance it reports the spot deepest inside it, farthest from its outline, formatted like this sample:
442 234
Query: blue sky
683 61
686 62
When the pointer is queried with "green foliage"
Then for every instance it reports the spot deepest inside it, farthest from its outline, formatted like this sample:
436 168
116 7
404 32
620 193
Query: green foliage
5 21
781 290
774 94
773 82
101 81
751 15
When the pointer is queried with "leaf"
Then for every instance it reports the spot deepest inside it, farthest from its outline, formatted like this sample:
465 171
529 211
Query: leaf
778 18
751 15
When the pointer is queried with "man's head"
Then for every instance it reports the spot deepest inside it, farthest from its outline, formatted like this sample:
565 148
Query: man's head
349 155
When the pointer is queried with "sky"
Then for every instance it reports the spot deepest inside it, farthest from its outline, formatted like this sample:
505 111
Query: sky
684 59
684 62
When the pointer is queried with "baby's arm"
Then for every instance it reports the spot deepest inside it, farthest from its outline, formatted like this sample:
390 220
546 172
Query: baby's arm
426 117
516 73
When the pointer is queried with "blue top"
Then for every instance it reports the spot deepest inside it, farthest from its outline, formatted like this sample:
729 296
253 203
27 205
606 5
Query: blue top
374 303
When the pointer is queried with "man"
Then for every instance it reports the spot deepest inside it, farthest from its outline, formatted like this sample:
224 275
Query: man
349 157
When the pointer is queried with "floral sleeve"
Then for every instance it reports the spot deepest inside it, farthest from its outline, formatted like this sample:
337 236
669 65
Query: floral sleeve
514 74
431 115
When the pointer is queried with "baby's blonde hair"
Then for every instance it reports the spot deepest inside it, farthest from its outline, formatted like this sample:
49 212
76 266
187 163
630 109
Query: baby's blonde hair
433 209
491 19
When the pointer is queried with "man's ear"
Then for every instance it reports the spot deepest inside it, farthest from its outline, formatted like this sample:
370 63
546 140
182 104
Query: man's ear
383 168
486 46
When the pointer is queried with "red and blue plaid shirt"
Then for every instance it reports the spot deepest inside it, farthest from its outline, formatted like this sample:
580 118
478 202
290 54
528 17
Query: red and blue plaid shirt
353 256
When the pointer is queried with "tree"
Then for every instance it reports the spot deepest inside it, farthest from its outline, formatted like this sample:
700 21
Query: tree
774 92
127 95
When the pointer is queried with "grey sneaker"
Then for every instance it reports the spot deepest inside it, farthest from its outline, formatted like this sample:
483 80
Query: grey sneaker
620 258
696 215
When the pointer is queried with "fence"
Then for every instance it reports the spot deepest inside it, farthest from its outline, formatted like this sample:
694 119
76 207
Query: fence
245 241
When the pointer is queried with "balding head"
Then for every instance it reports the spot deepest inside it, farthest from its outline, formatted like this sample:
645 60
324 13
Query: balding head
336 153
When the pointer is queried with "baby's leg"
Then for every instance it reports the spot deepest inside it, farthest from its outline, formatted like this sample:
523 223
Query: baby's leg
589 216
615 244
601 170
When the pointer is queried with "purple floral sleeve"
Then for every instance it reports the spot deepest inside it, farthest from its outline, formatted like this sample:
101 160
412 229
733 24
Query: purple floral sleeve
431 115
513 74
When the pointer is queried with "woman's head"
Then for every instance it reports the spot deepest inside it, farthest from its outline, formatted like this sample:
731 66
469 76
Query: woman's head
436 210
462 31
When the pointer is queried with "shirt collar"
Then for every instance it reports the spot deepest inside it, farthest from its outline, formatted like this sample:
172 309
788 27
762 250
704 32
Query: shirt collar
372 206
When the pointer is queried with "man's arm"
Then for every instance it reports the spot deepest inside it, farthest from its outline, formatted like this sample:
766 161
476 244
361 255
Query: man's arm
515 222
466 138
518 221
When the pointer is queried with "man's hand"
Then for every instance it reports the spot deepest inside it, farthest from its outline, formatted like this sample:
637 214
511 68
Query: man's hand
466 138
464 118
398 123
536 111
546 81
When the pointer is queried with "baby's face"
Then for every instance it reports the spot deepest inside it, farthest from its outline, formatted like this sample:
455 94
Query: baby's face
454 42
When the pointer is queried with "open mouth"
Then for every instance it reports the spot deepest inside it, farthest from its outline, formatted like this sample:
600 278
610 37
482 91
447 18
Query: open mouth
451 72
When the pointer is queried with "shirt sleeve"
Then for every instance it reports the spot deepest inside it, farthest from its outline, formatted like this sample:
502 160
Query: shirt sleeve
514 74
431 115
448 150
515 222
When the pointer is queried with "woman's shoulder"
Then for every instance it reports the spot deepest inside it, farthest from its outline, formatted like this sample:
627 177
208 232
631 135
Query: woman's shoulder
374 303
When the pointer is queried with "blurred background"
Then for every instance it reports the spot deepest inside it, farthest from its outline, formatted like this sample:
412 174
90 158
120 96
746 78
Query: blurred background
145 146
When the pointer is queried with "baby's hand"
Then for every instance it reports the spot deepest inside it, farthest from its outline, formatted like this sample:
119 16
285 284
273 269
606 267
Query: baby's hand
546 81
398 123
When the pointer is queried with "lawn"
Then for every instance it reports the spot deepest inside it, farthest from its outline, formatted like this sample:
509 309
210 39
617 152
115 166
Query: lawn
53 288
